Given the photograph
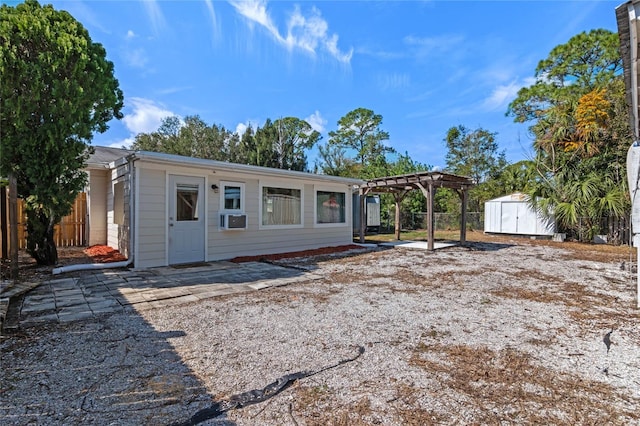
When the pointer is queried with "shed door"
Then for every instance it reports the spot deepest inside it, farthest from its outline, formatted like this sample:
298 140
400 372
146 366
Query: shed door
186 219
510 218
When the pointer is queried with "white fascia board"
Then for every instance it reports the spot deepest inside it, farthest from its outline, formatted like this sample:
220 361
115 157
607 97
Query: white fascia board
170 159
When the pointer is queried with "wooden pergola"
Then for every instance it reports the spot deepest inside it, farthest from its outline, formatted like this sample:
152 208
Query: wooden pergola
428 183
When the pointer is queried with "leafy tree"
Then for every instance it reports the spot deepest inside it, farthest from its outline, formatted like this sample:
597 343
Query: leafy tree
57 89
580 125
413 202
588 61
356 149
360 131
335 162
165 139
191 137
516 177
294 137
474 154
279 144
248 150
265 137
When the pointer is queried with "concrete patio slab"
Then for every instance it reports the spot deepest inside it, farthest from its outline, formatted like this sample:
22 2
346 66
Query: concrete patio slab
91 293
422 245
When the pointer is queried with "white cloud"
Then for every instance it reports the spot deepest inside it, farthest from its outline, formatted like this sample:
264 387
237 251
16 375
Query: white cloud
390 81
124 143
505 93
215 23
380 53
155 15
434 45
241 128
130 34
316 121
83 13
309 33
501 96
136 58
255 11
146 116
172 90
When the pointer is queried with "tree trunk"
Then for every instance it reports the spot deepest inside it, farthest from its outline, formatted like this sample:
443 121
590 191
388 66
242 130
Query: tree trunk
40 243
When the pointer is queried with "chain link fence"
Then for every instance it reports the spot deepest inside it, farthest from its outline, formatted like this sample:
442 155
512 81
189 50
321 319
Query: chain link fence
609 230
442 221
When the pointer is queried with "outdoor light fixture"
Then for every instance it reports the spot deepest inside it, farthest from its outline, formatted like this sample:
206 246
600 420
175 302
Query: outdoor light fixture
214 187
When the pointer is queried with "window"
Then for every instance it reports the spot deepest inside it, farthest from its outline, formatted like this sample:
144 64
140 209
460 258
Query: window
330 207
281 206
186 202
232 197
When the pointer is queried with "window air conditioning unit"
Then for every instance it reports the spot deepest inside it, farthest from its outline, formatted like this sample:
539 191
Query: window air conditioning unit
233 221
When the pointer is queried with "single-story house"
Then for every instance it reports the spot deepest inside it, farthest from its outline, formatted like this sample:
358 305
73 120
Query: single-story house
512 214
160 209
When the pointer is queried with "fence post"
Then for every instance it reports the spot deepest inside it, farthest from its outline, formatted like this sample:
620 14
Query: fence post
13 219
4 219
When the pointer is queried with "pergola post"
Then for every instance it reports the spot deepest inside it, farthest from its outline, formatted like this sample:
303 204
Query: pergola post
463 220
363 216
397 227
431 230
428 194
398 197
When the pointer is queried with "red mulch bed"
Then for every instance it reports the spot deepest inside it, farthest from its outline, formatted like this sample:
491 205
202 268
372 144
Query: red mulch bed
302 253
103 254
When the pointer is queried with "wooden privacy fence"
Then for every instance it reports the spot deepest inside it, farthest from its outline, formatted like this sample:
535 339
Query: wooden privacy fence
70 232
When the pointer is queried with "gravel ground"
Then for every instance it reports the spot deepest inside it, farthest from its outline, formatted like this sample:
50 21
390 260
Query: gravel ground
510 332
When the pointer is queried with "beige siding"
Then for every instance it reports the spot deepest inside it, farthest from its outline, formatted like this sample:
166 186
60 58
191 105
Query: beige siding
112 227
227 244
151 211
97 206
118 233
151 220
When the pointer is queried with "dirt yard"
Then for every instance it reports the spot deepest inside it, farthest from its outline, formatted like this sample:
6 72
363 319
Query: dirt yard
506 331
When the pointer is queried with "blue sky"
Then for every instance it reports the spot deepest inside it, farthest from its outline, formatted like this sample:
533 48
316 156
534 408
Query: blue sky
425 66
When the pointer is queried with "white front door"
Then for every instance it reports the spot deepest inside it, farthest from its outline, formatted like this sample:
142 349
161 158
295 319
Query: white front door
186 219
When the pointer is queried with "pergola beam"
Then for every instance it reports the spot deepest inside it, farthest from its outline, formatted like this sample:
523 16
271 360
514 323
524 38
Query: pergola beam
428 183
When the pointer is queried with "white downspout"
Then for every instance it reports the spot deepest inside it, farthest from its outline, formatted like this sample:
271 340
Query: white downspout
111 265
133 219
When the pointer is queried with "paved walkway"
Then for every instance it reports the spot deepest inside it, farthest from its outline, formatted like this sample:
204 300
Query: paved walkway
90 293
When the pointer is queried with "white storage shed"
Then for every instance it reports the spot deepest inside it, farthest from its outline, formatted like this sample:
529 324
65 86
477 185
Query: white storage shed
512 214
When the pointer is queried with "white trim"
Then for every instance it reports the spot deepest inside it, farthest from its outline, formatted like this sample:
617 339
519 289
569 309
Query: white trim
135 200
213 165
198 180
243 198
168 193
347 206
205 194
279 184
